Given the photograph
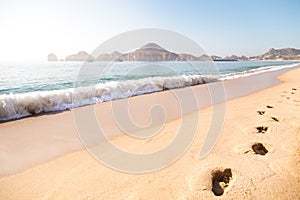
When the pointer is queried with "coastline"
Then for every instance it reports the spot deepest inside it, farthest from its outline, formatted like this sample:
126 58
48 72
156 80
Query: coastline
50 139
63 137
23 102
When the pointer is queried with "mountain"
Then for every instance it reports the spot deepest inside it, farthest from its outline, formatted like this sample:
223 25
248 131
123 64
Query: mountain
235 57
52 57
108 57
280 54
80 56
205 57
189 57
154 52
148 52
152 46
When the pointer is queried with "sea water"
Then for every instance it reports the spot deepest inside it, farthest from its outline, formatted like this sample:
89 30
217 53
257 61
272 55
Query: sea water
32 88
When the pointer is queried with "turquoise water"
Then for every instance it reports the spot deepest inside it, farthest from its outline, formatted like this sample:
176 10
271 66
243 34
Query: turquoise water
31 88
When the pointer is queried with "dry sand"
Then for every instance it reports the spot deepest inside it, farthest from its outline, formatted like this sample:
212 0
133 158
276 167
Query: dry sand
78 175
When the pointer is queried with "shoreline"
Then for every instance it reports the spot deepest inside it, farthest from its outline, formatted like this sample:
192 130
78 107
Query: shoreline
53 101
274 174
221 80
65 138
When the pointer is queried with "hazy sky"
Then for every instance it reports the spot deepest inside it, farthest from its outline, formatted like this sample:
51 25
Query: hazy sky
30 30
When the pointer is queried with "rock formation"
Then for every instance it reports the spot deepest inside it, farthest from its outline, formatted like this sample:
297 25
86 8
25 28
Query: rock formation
154 52
52 57
150 52
281 54
80 56
109 57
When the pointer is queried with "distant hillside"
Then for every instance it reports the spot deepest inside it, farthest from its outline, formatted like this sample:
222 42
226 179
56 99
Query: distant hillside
154 52
80 56
108 57
280 54
52 57
150 52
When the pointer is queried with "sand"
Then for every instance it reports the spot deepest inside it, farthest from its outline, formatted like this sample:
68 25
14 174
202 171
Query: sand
37 172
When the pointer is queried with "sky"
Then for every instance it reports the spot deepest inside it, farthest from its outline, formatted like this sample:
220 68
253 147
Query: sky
30 30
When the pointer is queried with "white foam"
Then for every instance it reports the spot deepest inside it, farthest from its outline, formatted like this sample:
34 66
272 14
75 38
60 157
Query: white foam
251 72
13 106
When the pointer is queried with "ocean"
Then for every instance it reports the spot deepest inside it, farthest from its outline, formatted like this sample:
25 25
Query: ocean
33 88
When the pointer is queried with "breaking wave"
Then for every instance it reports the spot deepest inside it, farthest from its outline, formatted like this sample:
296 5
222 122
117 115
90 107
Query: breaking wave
235 75
14 106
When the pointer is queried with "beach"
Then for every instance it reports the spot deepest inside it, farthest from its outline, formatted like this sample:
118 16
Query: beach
44 157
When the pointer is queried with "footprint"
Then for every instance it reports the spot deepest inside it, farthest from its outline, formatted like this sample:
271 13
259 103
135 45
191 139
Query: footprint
261 112
269 106
275 119
220 180
262 129
200 181
259 148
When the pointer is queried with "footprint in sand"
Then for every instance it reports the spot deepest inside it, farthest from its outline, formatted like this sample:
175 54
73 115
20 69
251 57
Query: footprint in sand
275 119
256 148
261 112
206 182
220 181
262 129
259 148
256 130
293 90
